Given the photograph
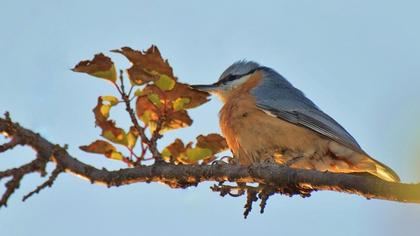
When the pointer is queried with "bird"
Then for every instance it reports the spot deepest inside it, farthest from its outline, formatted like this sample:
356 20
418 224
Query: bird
264 118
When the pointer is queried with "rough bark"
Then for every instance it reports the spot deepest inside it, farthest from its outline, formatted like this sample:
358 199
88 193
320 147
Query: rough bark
279 179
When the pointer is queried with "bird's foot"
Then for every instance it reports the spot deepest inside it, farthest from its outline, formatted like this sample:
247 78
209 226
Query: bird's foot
270 161
292 161
226 160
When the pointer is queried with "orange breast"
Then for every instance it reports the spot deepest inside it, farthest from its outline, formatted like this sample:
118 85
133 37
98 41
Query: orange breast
253 135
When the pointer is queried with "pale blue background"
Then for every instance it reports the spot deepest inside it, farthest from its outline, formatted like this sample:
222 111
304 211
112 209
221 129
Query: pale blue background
358 60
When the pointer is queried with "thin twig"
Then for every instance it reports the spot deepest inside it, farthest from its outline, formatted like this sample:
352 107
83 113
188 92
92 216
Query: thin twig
11 186
152 145
9 145
48 183
131 90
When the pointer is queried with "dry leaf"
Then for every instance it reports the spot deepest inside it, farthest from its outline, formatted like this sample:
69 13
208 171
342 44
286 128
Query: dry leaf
147 66
215 142
109 129
101 66
103 147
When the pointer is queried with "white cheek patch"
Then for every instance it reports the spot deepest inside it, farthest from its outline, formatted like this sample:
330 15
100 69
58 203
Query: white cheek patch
240 81
223 90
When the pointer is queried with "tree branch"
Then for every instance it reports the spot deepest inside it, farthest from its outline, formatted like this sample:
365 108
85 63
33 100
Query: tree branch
273 178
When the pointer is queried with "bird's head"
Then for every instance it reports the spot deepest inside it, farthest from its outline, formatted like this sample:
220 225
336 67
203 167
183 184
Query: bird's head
232 78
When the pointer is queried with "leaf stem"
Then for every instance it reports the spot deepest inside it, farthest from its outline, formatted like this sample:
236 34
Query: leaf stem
144 139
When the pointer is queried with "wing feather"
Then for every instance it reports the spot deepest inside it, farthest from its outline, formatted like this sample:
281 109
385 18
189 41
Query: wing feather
279 98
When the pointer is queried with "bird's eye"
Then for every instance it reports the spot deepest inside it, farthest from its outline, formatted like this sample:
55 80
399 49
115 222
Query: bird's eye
233 77
230 78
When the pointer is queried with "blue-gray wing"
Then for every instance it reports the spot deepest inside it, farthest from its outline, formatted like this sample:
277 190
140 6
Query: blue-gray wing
276 96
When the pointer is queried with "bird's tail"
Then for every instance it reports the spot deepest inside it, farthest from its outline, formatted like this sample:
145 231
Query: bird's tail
341 159
377 168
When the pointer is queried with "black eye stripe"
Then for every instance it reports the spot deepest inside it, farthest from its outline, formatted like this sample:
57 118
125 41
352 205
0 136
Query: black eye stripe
234 77
231 77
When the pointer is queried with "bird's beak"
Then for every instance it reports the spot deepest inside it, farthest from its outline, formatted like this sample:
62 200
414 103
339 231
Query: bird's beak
210 88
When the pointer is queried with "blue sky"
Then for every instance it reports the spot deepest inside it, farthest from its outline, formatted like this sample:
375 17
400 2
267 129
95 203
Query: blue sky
358 60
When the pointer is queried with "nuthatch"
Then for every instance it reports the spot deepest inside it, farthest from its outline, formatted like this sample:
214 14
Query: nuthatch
265 118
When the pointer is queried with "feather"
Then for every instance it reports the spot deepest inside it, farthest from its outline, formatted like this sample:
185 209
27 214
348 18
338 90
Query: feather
277 97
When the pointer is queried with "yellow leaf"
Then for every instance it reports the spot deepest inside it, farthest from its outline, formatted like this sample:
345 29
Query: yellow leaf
174 149
146 117
146 110
166 153
155 99
104 109
115 155
119 137
180 103
109 129
110 74
165 83
112 100
197 153
132 137
138 92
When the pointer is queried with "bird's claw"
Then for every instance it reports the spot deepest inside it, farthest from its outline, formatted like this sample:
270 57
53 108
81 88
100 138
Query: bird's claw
226 160
269 161
218 162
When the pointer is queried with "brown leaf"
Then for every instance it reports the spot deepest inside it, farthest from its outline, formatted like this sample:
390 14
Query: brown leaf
103 147
184 91
176 148
132 137
180 90
146 110
147 65
99 146
205 149
215 142
101 66
150 110
109 129
176 120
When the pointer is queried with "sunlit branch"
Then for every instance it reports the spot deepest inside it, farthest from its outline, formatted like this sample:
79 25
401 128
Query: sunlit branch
280 179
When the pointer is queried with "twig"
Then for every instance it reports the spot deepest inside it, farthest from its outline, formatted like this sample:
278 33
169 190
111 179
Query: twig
131 90
48 183
9 145
152 145
11 186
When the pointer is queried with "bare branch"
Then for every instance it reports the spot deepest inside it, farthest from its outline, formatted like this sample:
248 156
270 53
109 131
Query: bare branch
11 186
9 145
279 179
48 183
